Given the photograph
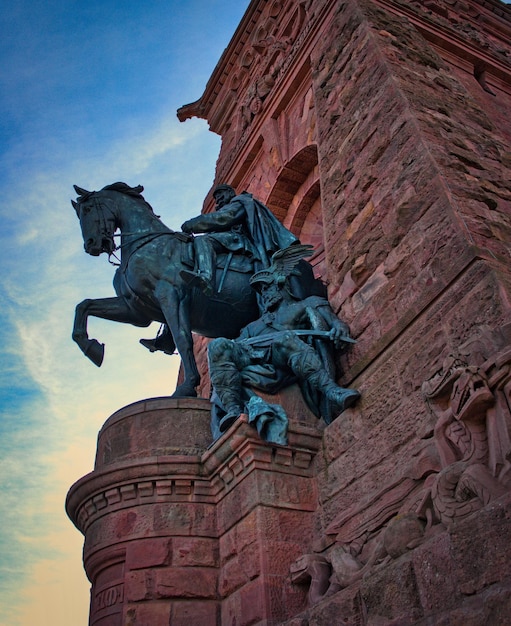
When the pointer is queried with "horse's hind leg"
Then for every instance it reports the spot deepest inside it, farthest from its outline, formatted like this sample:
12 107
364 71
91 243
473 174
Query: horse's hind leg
114 309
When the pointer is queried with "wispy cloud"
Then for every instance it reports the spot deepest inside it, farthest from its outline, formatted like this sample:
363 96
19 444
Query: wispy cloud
58 400
88 94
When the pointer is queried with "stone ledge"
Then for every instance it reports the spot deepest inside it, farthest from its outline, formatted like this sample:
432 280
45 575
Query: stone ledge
132 480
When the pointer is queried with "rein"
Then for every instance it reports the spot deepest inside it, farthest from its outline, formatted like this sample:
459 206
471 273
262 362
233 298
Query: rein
148 238
142 238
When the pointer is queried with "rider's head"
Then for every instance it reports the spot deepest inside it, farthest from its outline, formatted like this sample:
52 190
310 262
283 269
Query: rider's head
223 194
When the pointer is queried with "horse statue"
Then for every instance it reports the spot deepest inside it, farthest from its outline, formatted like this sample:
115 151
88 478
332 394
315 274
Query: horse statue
148 282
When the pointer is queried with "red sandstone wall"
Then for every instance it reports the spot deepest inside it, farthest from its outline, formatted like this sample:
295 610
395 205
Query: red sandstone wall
378 111
415 189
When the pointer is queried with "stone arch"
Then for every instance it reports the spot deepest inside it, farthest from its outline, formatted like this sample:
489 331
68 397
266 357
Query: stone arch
296 200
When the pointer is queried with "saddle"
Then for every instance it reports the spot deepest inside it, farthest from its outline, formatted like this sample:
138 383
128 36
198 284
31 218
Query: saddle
225 261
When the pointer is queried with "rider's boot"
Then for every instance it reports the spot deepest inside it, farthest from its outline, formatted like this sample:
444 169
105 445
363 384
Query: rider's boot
163 341
205 257
232 406
308 367
341 397
197 279
226 381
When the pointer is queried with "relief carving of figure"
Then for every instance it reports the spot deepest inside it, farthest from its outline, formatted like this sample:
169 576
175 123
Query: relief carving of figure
465 465
465 400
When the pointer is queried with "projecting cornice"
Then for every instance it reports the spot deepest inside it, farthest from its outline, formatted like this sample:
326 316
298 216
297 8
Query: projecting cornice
474 31
222 72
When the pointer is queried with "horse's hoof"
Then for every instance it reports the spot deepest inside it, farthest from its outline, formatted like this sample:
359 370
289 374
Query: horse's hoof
95 351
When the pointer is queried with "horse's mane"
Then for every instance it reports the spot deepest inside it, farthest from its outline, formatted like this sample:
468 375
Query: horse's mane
134 192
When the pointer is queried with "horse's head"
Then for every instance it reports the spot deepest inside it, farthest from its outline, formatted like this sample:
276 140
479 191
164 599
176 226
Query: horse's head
97 221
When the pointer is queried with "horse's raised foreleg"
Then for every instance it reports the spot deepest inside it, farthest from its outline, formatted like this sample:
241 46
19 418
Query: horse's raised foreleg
114 309
176 307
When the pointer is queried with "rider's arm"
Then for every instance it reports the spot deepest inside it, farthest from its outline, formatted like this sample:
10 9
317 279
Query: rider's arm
224 219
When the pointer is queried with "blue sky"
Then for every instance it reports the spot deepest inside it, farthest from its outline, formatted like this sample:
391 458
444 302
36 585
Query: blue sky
88 96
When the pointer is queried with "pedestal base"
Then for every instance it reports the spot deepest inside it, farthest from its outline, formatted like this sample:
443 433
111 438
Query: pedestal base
178 533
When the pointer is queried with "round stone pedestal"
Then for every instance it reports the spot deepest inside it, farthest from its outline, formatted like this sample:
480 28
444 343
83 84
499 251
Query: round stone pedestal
150 532
154 428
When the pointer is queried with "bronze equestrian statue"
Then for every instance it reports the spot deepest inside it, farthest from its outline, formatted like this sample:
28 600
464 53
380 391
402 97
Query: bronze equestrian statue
153 283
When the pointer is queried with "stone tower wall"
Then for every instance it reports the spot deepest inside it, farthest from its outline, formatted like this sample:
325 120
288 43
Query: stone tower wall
383 124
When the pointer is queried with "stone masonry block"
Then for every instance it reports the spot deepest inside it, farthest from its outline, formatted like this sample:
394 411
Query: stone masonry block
120 525
193 552
392 592
280 555
239 536
146 553
196 613
147 614
243 567
231 577
480 547
276 524
186 582
139 586
343 609
185 518
436 583
245 606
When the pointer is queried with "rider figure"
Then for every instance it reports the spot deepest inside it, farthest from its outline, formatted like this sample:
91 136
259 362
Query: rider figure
240 224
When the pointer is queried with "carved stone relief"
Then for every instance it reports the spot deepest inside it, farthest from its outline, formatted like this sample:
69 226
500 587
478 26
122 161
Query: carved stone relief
262 64
464 466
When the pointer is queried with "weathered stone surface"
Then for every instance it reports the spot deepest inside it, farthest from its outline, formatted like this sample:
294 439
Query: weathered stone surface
478 564
185 518
194 552
243 567
190 582
437 585
142 429
196 612
149 553
145 614
245 606
393 594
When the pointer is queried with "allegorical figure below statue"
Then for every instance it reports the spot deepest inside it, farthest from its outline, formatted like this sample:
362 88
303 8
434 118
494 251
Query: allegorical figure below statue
285 345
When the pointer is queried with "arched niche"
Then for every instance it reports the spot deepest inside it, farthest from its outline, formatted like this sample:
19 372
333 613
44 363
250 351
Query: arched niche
296 200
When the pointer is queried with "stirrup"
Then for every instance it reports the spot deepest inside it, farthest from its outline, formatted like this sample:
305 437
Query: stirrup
195 279
162 342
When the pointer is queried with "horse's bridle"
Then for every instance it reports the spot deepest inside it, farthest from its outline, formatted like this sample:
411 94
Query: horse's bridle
106 229
105 226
